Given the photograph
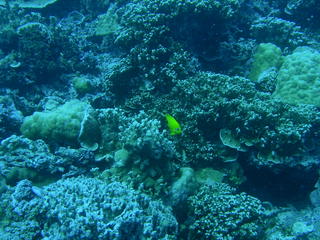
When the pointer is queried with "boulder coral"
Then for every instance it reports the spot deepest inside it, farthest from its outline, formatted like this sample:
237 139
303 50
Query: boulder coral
70 124
298 80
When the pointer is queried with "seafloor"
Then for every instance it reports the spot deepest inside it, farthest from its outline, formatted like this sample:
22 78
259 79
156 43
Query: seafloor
159 119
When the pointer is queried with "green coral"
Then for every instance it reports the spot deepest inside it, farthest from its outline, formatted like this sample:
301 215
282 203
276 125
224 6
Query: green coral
82 84
267 57
68 124
298 80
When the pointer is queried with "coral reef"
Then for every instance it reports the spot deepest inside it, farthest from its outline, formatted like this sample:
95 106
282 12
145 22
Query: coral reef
139 146
295 224
219 213
10 117
152 119
154 41
22 158
29 4
85 208
257 120
283 33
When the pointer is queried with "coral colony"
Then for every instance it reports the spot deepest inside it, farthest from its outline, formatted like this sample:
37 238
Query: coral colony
159 120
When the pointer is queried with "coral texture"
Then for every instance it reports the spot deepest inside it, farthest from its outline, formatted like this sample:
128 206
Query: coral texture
87 208
221 214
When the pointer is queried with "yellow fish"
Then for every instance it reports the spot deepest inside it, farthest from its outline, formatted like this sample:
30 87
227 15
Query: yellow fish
173 125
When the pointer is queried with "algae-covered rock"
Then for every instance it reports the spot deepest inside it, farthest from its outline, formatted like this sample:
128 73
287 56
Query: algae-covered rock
121 157
22 158
82 84
183 187
3 185
315 195
107 23
17 173
209 176
228 139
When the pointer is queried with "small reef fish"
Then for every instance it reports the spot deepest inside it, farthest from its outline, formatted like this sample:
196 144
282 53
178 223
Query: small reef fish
173 125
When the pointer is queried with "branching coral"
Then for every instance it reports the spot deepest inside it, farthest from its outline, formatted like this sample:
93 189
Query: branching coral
222 214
